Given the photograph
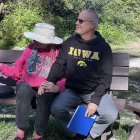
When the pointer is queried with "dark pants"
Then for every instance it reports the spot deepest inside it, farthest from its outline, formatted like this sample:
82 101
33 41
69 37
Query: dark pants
24 96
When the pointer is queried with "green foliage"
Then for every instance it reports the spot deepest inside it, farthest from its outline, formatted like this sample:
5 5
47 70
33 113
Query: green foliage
58 14
79 5
115 34
8 126
124 13
119 19
21 19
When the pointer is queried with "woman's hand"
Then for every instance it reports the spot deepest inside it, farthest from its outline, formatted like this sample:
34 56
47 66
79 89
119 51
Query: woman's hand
48 87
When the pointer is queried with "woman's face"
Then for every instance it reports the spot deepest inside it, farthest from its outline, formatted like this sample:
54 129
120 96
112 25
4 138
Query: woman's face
39 45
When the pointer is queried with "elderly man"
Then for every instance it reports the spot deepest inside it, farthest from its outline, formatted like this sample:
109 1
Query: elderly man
86 59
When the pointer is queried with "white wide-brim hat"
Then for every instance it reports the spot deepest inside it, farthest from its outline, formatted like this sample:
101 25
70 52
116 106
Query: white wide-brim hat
44 33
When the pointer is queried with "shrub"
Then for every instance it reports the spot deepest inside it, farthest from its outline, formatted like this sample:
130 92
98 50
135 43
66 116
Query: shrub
114 34
122 13
119 19
20 19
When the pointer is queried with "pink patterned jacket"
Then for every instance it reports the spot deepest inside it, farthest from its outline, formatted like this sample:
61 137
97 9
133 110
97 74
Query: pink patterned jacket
33 66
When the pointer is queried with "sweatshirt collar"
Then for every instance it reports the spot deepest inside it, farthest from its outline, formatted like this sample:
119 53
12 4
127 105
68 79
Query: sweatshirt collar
98 38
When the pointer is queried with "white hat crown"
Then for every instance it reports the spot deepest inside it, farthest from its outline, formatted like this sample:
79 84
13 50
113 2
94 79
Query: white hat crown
45 30
44 33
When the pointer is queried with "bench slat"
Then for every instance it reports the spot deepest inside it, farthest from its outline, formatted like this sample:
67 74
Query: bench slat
119 83
134 106
9 56
8 101
120 103
120 71
121 59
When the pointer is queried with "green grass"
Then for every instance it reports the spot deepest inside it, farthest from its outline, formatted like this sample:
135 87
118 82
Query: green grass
133 48
7 118
8 128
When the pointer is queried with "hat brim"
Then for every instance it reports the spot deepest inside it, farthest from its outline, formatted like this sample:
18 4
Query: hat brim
42 39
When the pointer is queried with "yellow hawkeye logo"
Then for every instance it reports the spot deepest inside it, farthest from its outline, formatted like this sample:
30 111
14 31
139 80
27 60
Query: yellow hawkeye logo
81 63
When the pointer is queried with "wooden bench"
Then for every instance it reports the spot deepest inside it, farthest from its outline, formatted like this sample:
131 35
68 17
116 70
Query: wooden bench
119 83
135 133
119 77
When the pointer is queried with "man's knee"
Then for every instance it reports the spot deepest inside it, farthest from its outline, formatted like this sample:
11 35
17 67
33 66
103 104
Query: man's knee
107 109
111 116
58 109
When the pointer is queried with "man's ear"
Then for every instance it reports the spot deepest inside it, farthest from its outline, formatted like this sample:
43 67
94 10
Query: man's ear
93 26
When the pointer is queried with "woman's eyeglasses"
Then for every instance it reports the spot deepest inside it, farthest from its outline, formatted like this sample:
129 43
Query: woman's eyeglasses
82 21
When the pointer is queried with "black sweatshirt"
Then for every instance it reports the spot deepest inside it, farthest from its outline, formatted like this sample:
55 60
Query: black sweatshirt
86 64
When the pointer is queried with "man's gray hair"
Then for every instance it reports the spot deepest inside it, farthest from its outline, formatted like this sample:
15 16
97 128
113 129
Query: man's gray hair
94 15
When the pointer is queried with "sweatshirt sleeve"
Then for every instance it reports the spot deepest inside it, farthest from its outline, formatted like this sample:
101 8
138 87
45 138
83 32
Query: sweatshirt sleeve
59 66
105 77
15 71
61 83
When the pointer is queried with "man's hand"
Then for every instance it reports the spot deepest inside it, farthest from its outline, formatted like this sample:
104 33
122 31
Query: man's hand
48 87
91 109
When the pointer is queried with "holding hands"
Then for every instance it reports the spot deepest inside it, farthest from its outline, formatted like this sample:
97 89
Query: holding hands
48 87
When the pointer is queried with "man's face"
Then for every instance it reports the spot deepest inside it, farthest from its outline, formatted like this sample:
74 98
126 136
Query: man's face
84 23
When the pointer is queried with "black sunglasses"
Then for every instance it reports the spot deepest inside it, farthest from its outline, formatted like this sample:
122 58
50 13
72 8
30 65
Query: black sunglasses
82 21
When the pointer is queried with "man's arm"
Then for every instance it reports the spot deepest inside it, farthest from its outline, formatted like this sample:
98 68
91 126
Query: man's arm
105 77
104 83
59 67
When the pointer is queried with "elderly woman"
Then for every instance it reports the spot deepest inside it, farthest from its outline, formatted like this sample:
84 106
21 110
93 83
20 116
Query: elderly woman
31 71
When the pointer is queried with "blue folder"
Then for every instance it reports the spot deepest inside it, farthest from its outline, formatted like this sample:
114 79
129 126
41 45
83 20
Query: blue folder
79 123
